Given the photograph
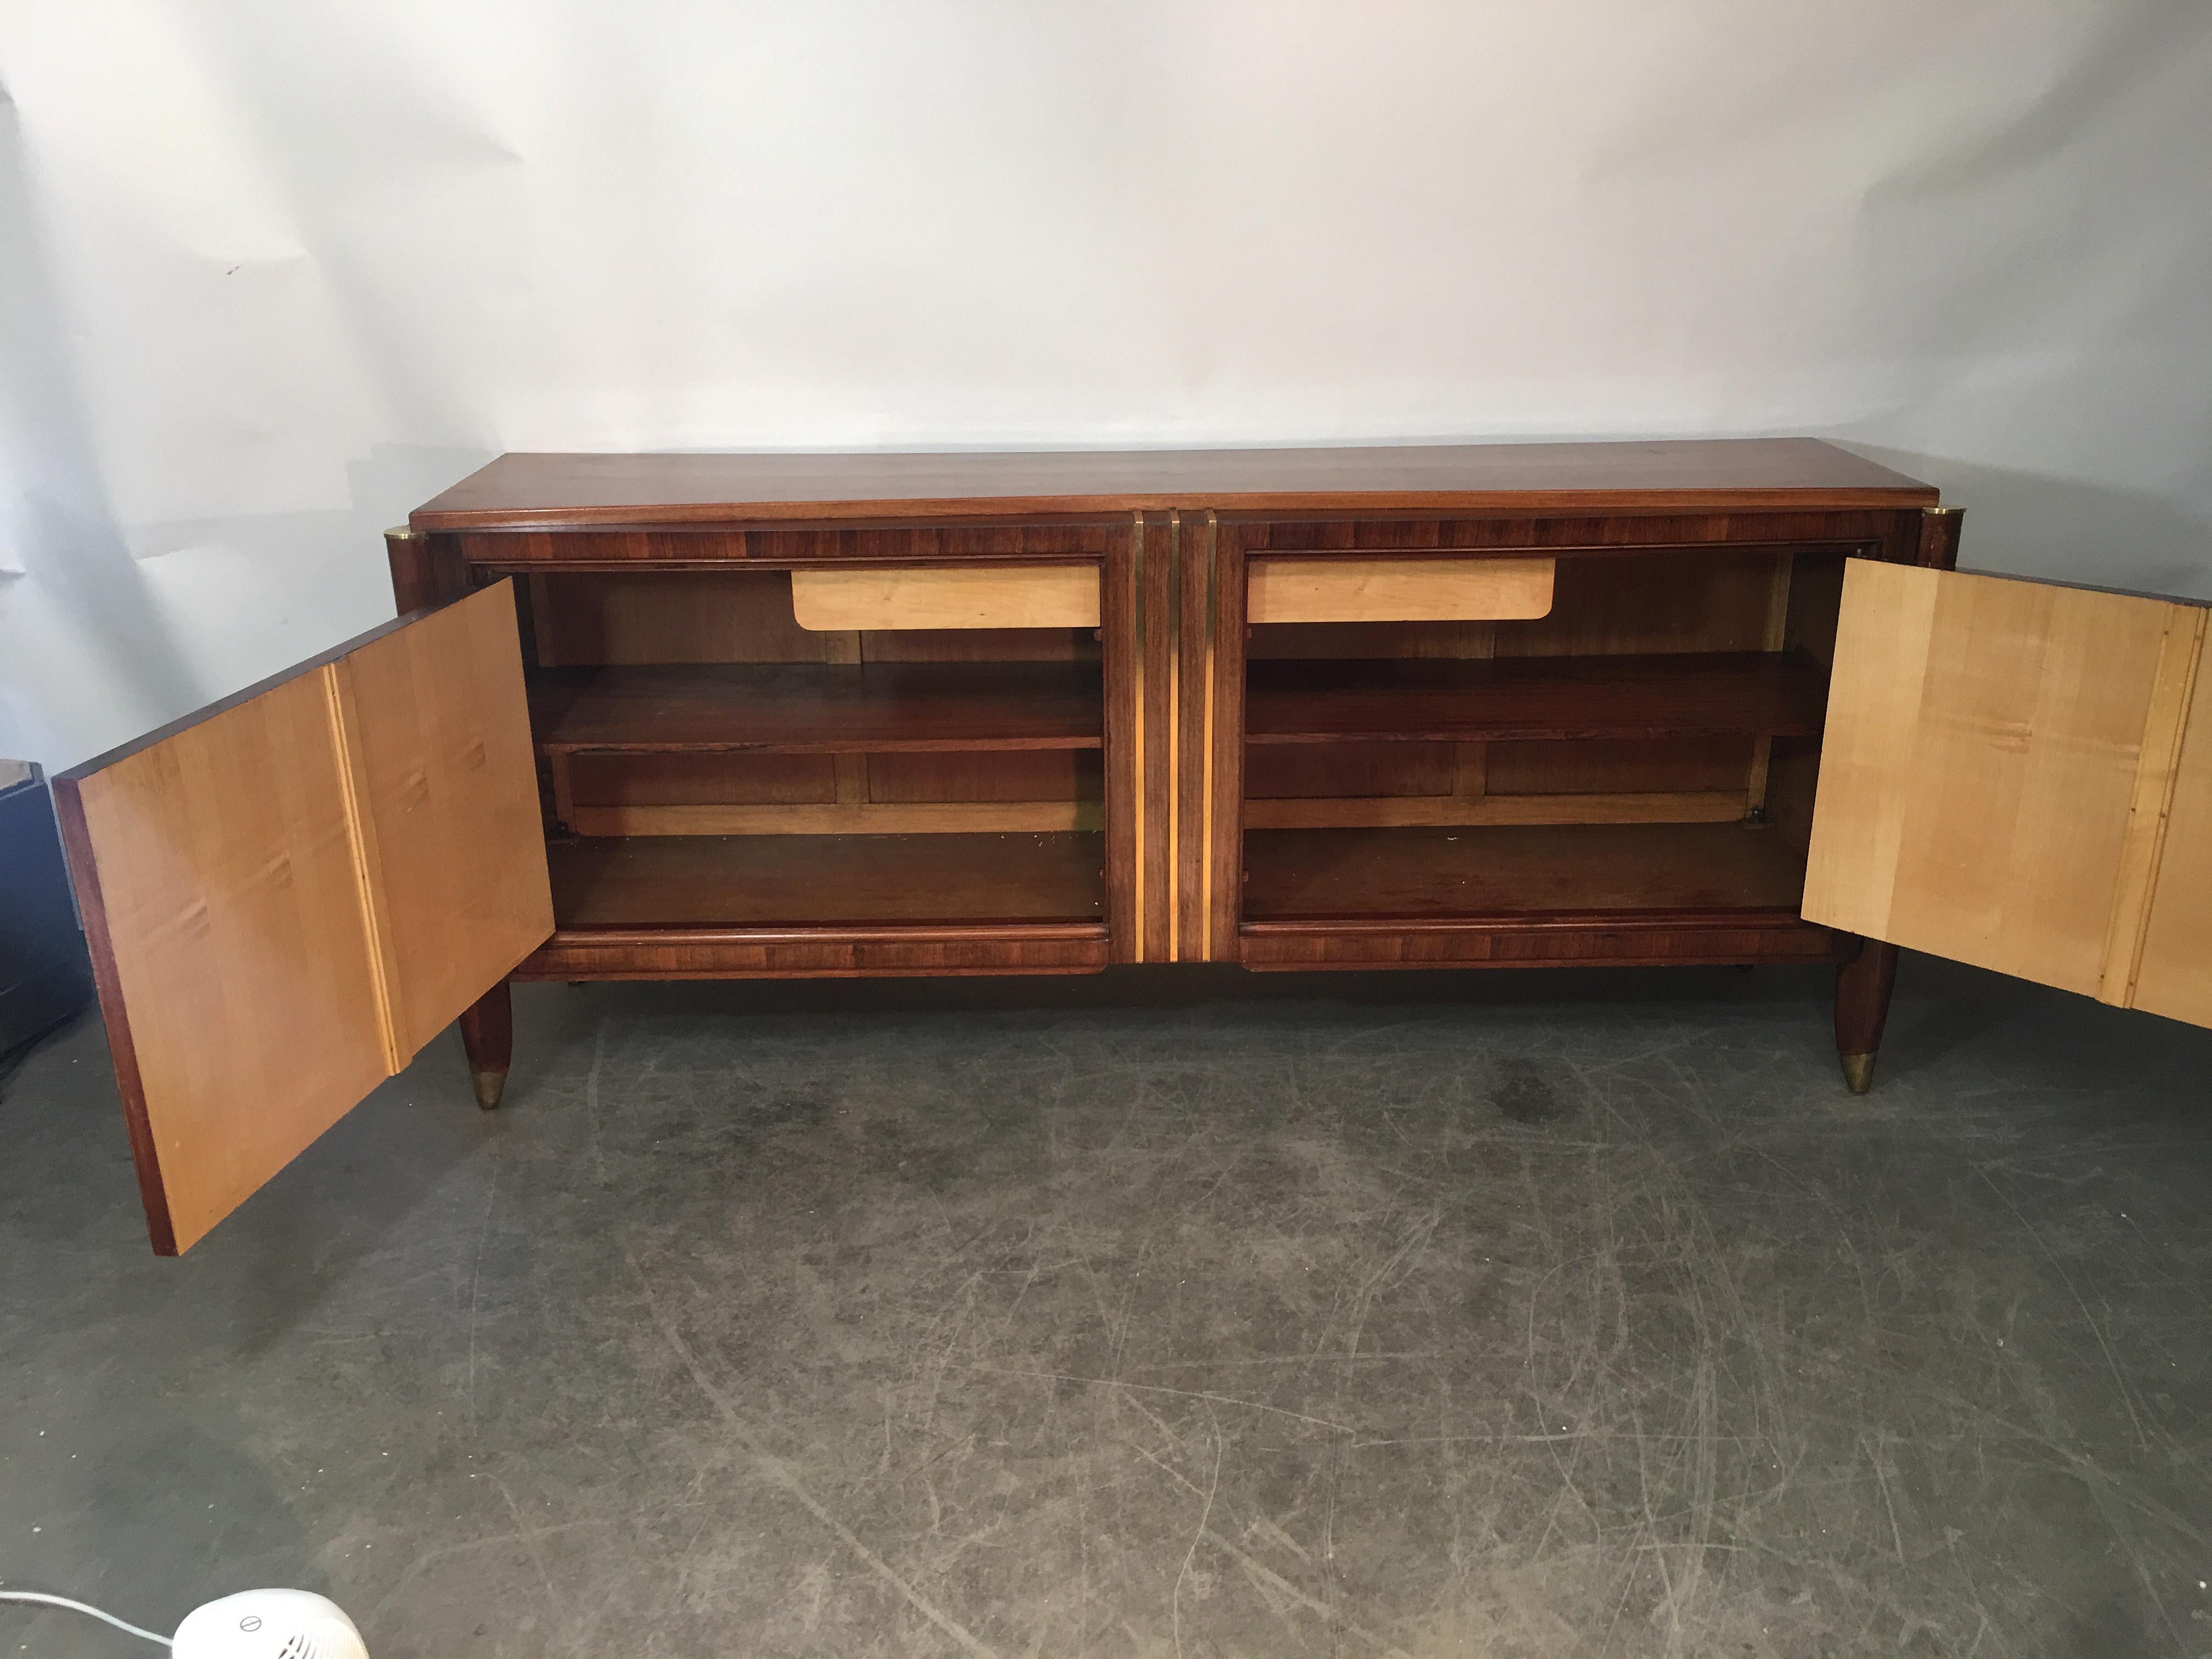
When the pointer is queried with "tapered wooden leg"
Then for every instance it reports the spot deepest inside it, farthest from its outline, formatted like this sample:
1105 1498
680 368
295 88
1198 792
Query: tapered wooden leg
1863 988
488 1034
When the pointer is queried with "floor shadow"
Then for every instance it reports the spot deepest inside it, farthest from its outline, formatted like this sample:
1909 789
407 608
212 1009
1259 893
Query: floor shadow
1944 1007
1183 985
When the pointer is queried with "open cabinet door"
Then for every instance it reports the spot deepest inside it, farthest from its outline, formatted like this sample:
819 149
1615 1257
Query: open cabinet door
2019 775
288 894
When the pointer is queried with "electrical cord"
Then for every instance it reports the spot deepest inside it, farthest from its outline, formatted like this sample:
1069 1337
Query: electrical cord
37 1600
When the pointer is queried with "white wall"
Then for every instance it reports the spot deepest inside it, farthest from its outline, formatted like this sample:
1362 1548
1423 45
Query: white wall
273 273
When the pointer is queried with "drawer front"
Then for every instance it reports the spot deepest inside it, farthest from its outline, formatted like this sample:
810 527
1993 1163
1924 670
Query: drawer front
947 596
1398 590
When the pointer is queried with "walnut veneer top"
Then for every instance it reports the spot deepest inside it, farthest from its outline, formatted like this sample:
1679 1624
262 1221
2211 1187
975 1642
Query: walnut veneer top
547 491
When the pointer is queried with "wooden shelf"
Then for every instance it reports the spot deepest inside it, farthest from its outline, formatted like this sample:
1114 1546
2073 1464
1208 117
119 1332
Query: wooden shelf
1496 699
828 882
1520 871
814 708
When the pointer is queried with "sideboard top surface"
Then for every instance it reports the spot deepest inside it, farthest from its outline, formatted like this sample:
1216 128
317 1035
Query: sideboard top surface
555 491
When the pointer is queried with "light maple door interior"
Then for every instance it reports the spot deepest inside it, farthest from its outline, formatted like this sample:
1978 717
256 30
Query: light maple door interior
2019 775
288 894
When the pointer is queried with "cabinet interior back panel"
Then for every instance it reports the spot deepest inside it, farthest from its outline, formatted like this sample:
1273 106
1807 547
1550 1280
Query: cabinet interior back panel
661 617
1662 602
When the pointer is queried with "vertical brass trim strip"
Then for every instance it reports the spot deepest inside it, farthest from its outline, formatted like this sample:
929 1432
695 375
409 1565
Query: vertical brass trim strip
2158 769
1137 745
1174 737
361 837
1212 556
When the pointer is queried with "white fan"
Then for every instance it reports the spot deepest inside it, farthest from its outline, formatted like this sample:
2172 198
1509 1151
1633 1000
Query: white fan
268 1624
260 1624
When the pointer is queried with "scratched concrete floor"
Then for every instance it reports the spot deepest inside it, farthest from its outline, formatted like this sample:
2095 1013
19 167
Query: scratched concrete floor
1535 1316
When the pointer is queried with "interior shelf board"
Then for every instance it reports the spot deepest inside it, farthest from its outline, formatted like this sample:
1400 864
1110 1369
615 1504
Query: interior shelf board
1498 699
828 881
1499 871
815 708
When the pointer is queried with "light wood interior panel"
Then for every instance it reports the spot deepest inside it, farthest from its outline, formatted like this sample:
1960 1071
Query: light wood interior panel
2155 777
947 596
239 976
437 738
289 894
2172 971
1370 589
1979 767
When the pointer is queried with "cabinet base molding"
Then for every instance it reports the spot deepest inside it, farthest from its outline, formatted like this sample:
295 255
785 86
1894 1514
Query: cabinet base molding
1583 942
803 953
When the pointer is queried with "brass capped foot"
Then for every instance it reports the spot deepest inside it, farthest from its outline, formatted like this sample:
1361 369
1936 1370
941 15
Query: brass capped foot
490 1086
1858 1072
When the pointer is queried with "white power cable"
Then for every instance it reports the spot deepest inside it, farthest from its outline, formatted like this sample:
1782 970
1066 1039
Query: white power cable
35 1598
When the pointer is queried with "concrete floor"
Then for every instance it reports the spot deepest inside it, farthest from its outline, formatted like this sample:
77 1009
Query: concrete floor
1439 1314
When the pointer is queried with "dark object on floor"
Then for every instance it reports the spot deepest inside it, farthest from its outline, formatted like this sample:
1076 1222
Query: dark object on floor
45 976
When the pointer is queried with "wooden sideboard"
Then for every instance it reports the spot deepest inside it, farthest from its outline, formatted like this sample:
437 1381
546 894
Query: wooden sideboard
699 716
